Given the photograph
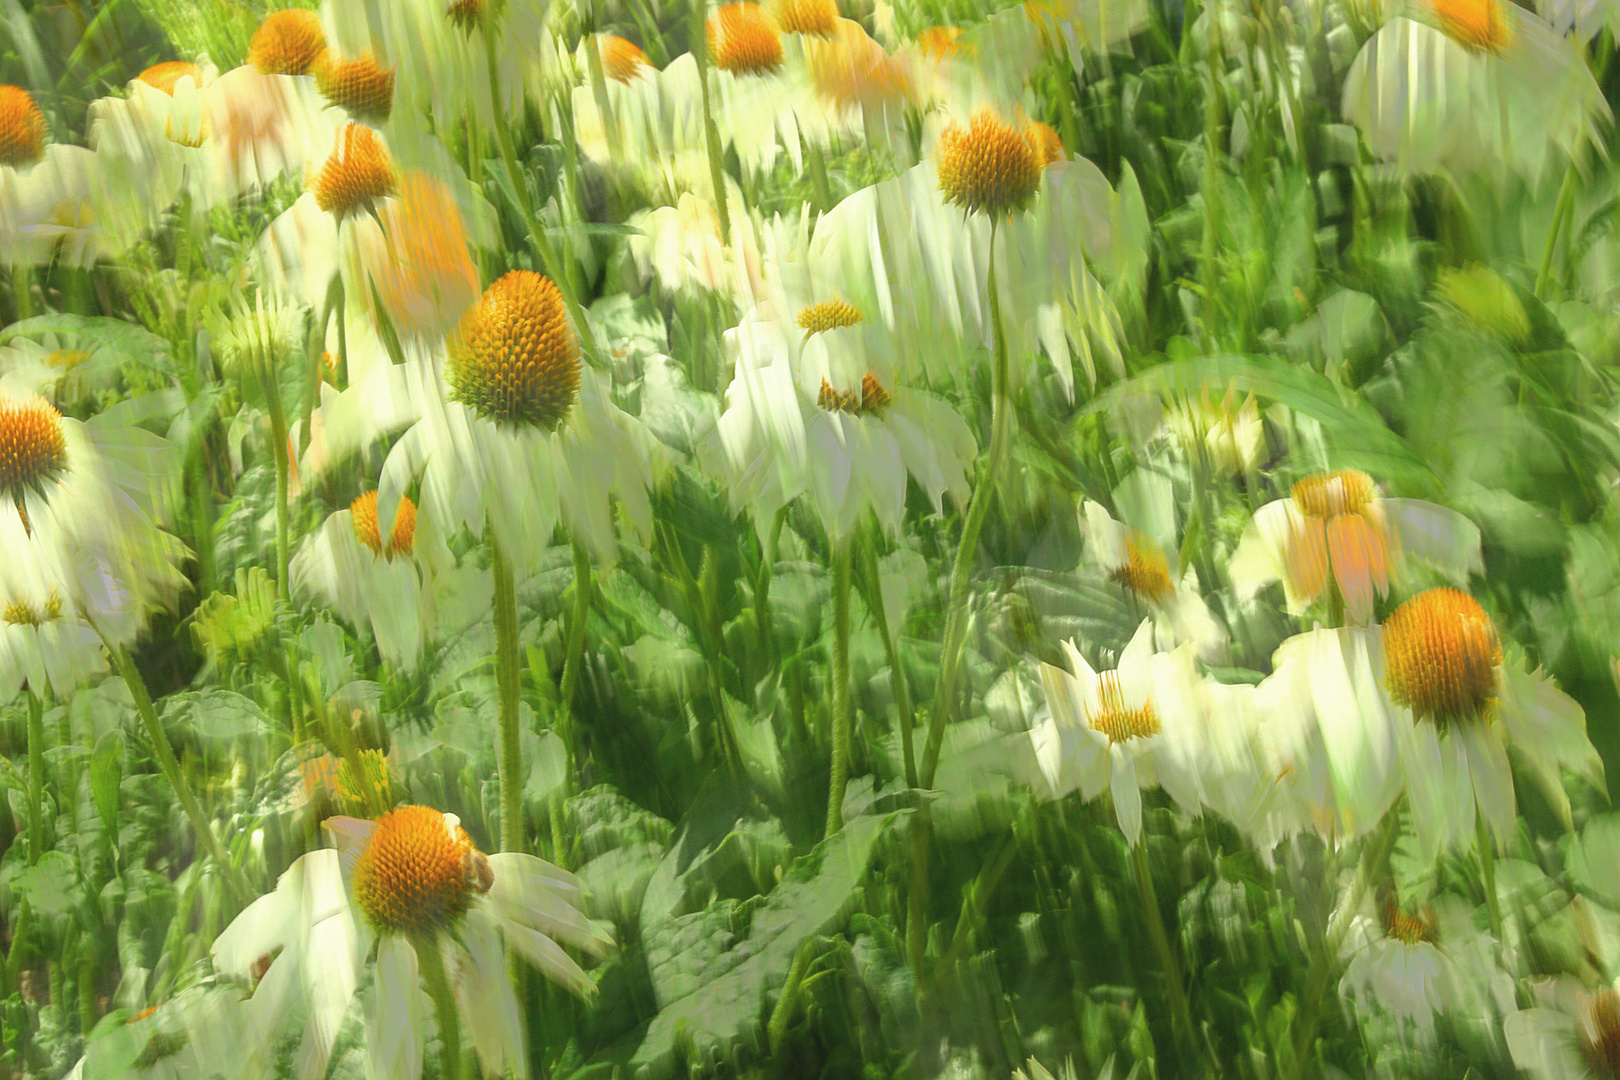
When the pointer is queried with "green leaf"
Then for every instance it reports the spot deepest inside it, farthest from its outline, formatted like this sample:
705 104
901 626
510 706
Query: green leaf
217 714
122 337
50 884
725 995
106 773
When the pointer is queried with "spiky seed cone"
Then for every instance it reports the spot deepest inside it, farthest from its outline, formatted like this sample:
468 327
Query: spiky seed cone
363 511
22 128
1479 25
356 175
33 446
1117 720
1146 571
1334 494
989 167
870 398
622 60
412 877
815 17
743 40
515 359
1441 655
287 42
828 315
363 88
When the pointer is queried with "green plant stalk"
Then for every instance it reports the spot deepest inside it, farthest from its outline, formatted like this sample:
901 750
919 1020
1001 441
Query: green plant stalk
573 660
537 235
978 508
278 448
36 777
507 674
1175 987
818 179
1566 201
891 655
786 1005
163 750
711 133
1487 874
436 982
840 685
22 290
762 588
971 918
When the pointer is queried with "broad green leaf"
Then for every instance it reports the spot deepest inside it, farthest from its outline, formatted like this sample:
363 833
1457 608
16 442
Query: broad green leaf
215 714
106 773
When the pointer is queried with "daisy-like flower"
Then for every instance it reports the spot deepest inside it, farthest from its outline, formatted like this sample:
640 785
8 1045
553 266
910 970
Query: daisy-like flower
1335 530
990 166
1426 703
1229 437
403 585
193 1036
506 426
1123 730
622 61
77 508
411 897
47 648
1575 1035
287 42
1138 564
743 40
361 87
833 423
1464 84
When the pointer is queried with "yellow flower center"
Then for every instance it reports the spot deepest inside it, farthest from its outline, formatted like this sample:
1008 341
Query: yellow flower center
287 42
870 398
403 537
818 17
362 87
1441 654
356 175
1117 720
1409 927
1048 144
33 447
515 359
990 166
167 75
1147 573
22 128
21 613
1473 24
621 60
419 874
1334 494
828 315
743 40
1599 1035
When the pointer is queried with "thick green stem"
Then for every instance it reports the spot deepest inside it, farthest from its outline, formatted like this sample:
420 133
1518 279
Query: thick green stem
1566 200
436 982
897 677
978 508
1175 987
509 766
1487 874
36 777
840 686
762 589
163 750
711 133
574 659
782 1014
278 447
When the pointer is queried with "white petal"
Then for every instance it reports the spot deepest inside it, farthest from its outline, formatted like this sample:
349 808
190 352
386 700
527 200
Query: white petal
1127 796
489 1008
395 1019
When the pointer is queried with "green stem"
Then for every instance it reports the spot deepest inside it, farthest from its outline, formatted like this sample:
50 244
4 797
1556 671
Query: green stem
1175 987
22 290
818 179
163 750
1566 200
1487 873
967 551
509 766
762 589
537 235
278 447
36 777
840 685
711 133
782 1014
873 591
574 659
436 982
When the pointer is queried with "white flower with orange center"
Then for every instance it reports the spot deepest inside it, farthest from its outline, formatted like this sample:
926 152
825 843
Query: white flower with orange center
1123 730
1469 85
1426 703
1336 532
1138 563
506 425
814 409
48 648
406 892
1573 1034
77 507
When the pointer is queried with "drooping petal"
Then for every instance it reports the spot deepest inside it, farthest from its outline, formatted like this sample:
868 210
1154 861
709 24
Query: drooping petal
395 1019
484 995
1127 796
1360 564
1492 778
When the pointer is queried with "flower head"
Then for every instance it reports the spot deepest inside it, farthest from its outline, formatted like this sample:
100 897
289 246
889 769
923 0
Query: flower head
849 69
1474 24
167 75
356 175
743 40
828 315
1441 656
990 166
33 446
622 60
416 259
363 87
515 359
22 128
1599 1034
869 397
287 42
401 538
260 338
817 17
419 874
